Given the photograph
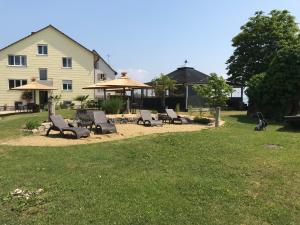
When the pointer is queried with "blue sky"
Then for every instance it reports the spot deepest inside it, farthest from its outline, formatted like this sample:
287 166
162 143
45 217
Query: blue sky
145 38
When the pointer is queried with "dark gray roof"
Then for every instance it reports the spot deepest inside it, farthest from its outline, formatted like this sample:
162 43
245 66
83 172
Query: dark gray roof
188 75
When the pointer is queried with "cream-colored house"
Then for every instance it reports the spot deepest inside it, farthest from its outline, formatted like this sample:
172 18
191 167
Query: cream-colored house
52 58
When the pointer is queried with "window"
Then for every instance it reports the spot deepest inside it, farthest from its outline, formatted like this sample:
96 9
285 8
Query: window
67 62
17 60
16 83
43 74
42 49
100 76
67 85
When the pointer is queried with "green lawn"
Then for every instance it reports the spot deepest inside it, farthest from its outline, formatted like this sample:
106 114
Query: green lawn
219 176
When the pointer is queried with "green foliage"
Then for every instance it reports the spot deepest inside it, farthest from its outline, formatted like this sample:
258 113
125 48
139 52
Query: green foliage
81 99
112 105
93 104
32 124
276 93
56 99
27 96
258 42
216 91
161 84
201 120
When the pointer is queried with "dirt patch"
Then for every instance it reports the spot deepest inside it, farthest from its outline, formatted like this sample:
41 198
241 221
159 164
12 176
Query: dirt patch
272 146
124 131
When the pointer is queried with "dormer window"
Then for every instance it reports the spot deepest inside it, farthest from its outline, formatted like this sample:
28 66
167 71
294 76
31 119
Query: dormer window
42 49
101 76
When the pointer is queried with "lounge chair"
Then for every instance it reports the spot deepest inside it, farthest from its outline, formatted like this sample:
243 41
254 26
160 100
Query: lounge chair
148 120
60 125
102 123
174 118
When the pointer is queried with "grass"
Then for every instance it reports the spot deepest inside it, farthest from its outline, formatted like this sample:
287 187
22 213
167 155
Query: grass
228 175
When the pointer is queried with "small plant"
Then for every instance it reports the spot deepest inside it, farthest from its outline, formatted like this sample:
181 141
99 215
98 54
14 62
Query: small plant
81 99
27 96
112 105
202 120
31 124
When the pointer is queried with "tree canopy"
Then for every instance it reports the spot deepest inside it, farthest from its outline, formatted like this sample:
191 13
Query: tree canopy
258 43
277 92
161 84
216 92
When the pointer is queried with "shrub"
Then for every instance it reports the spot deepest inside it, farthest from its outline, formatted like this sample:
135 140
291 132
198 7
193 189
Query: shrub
112 105
202 120
31 124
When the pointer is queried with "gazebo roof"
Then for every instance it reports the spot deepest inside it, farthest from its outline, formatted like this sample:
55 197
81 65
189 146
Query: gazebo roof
188 75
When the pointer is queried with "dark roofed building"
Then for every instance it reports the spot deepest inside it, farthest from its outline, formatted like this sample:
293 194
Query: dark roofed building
184 94
188 75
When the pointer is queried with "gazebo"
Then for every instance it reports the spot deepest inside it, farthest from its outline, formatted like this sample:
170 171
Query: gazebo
123 84
36 86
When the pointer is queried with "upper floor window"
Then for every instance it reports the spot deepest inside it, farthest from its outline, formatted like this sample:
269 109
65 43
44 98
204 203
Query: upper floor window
43 74
17 60
42 49
16 83
67 62
101 76
67 85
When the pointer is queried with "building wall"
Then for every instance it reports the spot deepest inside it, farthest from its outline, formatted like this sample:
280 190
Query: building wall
81 73
109 74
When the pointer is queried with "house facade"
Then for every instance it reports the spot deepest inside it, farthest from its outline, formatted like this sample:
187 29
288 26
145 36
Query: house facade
52 58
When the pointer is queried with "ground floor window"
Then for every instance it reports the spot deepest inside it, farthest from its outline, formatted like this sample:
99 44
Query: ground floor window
67 85
16 83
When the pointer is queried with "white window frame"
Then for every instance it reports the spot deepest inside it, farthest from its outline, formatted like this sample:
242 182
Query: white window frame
68 66
20 58
21 82
43 51
101 76
40 72
67 82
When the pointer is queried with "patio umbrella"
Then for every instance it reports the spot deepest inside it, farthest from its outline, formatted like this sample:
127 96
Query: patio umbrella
36 86
123 82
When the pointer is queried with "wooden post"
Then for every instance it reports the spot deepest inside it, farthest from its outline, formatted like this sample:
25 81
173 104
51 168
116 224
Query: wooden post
51 107
186 96
218 116
104 93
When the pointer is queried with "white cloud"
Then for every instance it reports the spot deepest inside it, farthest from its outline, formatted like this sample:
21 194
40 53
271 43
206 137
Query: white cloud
138 74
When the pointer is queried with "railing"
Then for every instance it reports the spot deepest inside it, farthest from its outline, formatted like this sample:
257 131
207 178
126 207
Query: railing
48 82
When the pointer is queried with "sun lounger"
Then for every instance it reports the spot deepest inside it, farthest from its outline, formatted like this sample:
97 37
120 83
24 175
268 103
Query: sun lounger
60 125
102 123
174 118
148 120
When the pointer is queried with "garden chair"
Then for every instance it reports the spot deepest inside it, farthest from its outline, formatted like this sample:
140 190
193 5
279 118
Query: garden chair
148 120
60 125
102 124
174 118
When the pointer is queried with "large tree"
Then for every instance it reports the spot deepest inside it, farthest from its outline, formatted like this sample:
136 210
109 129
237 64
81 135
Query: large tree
258 42
277 92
